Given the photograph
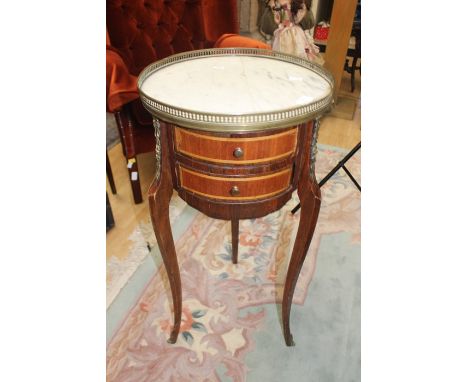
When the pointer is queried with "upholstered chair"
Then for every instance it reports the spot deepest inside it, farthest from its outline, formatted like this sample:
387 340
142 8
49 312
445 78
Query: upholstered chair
230 40
141 32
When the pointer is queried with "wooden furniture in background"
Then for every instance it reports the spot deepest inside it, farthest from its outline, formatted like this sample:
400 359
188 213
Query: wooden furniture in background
355 54
356 34
353 51
338 39
110 222
234 152
110 175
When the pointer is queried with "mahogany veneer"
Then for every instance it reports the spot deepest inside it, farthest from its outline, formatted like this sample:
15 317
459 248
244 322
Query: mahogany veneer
246 188
219 149
228 157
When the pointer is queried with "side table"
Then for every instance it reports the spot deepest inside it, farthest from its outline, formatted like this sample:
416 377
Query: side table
236 133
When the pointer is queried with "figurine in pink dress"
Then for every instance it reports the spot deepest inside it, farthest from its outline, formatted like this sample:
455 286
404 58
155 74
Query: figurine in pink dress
289 37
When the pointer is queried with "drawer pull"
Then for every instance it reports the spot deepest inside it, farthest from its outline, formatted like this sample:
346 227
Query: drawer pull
235 191
238 152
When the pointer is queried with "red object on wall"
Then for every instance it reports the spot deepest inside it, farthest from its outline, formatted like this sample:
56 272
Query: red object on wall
321 32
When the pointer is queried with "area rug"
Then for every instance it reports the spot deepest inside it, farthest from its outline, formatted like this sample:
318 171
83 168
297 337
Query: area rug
120 269
231 328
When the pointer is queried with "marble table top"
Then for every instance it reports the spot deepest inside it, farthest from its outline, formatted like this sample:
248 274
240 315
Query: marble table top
235 90
235 85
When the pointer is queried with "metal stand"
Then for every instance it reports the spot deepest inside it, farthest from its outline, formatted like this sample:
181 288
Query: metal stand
340 164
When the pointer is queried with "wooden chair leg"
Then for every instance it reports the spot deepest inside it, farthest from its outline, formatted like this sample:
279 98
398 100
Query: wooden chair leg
132 167
125 127
110 176
110 222
119 129
235 239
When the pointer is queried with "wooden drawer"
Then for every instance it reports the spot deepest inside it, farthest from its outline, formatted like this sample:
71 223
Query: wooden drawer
247 188
247 150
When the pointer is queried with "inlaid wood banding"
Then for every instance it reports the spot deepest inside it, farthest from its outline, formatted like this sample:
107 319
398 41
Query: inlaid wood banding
261 149
247 188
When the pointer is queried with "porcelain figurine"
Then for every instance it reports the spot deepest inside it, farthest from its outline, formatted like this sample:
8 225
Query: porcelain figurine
289 37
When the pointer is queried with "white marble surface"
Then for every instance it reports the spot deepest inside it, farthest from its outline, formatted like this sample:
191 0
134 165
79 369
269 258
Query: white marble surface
235 85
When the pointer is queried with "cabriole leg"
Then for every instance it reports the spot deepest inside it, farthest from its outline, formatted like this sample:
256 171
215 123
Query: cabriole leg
159 196
309 195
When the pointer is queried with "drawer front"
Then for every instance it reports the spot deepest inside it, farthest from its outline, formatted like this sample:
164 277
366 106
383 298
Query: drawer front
251 188
217 149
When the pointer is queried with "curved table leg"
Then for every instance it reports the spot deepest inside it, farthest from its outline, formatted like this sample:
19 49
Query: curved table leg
309 195
159 196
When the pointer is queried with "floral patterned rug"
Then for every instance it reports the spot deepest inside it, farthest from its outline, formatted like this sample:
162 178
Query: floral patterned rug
225 306
119 270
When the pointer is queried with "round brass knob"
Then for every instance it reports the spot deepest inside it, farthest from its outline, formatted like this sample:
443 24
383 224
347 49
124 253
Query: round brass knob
235 191
238 152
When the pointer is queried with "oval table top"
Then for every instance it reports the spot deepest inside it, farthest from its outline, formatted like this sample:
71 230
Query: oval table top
235 89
